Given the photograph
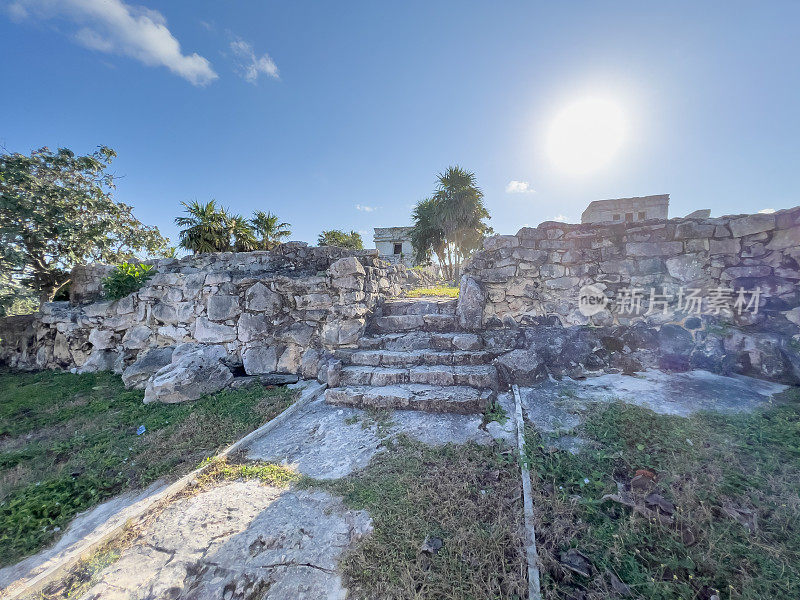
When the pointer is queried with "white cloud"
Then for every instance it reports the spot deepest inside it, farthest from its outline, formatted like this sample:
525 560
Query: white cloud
560 219
519 187
767 211
249 65
363 208
114 27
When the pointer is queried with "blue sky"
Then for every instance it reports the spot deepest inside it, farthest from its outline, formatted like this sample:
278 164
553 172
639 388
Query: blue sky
340 115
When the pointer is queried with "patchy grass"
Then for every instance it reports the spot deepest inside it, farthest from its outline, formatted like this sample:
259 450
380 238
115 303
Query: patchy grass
442 291
81 577
495 412
466 497
704 465
69 442
232 469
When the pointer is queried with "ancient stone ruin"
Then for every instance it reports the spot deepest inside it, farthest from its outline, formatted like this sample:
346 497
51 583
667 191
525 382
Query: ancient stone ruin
202 323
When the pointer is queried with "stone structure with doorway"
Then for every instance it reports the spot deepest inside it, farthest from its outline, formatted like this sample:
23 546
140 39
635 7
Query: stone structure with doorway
619 210
394 245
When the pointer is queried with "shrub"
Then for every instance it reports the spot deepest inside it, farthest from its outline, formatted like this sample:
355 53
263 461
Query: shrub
126 278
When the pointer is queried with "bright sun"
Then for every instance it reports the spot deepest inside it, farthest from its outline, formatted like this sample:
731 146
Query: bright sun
586 135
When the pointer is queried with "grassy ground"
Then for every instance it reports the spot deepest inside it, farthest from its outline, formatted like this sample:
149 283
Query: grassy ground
441 291
713 468
69 442
465 498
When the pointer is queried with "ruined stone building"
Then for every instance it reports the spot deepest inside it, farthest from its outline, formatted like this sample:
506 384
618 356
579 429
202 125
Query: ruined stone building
394 245
618 210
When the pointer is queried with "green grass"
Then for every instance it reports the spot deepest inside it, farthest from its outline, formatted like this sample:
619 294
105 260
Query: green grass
468 496
438 291
495 412
68 442
701 464
227 470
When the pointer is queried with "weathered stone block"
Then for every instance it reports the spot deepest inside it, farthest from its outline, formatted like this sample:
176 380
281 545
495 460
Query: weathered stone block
692 229
654 248
138 373
259 298
752 224
471 302
724 246
750 271
785 238
537 257
208 332
253 326
500 241
313 301
687 267
222 308
346 266
259 359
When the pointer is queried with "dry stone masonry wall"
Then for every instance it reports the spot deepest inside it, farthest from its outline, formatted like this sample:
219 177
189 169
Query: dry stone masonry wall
280 311
531 283
540 271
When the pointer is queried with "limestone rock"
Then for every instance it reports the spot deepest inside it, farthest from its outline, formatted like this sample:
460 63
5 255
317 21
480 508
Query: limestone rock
343 332
208 332
752 224
253 326
687 267
222 308
259 359
471 301
521 367
195 370
676 347
137 337
101 339
260 298
346 266
138 373
99 360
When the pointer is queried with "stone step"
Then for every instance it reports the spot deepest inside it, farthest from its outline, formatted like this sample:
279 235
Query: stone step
401 323
413 396
391 358
476 376
419 306
421 340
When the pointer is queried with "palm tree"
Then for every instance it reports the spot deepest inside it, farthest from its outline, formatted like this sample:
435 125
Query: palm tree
337 237
204 228
240 234
427 235
451 222
269 230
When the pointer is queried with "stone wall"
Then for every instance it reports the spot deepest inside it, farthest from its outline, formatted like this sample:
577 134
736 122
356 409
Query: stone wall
530 284
280 311
540 271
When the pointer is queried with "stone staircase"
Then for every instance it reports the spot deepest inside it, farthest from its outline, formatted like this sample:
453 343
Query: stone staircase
414 357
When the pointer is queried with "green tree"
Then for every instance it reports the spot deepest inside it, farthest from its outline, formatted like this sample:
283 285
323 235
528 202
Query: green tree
451 223
57 211
269 231
204 228
337 237
427 235
240 234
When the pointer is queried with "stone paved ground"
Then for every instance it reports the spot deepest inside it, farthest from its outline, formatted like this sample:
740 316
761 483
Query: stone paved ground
243 539
554 407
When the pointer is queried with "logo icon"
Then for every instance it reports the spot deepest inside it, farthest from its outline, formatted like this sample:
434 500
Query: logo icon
591 300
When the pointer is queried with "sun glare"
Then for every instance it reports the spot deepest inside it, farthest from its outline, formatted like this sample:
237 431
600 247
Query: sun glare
585 136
